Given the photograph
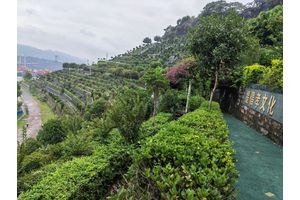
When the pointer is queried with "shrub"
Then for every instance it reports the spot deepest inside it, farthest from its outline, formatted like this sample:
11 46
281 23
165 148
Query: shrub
268 54
34 161
72 123
170 101
190 158
127 113
82 178
274 75
52 132
253 74
31 145
154 124
76 145
28 180
96 109
195 102
214 106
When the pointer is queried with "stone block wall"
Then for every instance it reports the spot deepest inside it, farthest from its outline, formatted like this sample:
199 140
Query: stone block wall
261 122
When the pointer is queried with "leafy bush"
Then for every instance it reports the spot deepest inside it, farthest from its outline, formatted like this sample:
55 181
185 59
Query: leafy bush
72 123
52 132
96 109
34 161
214 106
191 158
253 74
195 102
82 178
28 180
76 145
154 124
274 75
170 101
268 54
127 113
31 145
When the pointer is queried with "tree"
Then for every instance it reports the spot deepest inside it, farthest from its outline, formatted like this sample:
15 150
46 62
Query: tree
147 40
222 7
96 109
217 42
27 75
185 70
155 80
52 132
127 113
268 27
19 92
157 38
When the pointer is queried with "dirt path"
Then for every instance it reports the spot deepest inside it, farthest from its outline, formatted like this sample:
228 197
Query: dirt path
34 116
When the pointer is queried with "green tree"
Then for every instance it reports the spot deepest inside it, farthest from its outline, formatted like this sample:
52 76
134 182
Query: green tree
27 75
127 113
268 27
157 38
147 40
217 42
19 92
52 132
96 109
155 80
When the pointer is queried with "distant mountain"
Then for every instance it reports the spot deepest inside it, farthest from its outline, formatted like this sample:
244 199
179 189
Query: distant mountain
50 55
39 63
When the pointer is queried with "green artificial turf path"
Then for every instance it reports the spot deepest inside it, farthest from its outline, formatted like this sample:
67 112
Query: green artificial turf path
259 162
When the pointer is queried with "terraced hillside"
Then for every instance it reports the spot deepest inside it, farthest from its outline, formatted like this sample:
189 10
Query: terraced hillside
77 86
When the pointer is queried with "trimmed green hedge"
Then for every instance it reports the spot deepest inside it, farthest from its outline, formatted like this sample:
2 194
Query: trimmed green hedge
191 158
83 178
154 124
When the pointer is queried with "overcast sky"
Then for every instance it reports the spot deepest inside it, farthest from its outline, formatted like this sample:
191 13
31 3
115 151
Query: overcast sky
91 28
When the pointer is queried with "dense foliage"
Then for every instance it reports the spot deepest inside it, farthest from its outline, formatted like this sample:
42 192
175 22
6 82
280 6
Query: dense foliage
271 76
83 178
217 43
52 132
127 112
139 126
187 159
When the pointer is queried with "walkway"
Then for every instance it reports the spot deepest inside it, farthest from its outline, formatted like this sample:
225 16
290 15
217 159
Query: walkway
34 115
259 162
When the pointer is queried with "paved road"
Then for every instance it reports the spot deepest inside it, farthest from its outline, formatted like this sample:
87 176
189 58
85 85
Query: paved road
259 162
34 116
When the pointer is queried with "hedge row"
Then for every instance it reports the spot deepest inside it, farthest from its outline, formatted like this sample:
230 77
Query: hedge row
191 158
83 178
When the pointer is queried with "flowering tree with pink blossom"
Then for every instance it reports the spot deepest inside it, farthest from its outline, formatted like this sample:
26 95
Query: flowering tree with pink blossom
183 71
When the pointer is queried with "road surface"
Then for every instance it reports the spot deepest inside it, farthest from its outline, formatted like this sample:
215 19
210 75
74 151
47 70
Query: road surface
259 162
34 119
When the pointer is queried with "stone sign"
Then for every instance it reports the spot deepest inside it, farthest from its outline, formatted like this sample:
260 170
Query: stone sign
264 102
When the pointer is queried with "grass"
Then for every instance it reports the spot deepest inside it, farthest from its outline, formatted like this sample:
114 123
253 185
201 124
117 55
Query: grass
46 111
21 122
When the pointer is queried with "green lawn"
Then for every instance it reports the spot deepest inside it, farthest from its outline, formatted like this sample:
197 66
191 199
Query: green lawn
46 111
21 121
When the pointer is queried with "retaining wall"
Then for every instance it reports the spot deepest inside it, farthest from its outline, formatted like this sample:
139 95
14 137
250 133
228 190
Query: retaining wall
261 110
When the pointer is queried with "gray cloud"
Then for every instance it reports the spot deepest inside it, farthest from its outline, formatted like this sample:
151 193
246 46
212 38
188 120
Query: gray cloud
92 28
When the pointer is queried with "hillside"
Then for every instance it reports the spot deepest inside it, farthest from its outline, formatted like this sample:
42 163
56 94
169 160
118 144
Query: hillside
148 124
39 63
173 44
45 56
